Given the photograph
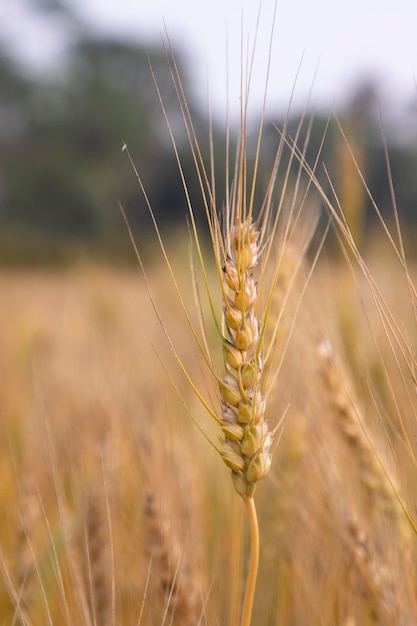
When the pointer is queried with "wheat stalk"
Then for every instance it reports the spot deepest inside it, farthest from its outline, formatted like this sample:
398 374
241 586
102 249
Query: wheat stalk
374 573
247 441
250 241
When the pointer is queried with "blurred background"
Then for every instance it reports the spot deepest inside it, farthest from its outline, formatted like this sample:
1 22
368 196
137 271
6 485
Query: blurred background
75 83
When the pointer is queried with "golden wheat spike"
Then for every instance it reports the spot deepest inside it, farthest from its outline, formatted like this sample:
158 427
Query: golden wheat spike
246 444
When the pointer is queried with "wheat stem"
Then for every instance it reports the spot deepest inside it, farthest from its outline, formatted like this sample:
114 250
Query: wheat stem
253 563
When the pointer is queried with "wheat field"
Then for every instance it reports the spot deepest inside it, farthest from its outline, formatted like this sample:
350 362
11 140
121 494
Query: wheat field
279 341
114 509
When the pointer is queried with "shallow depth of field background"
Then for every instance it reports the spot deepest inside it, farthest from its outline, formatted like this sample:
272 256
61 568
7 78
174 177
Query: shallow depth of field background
106 486
64 118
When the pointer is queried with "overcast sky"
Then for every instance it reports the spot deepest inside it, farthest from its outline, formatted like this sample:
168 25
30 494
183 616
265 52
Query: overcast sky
337 43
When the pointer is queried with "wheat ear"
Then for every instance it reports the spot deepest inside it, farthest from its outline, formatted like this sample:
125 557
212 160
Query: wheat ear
375 575
97 572
379 483
175 583
246 441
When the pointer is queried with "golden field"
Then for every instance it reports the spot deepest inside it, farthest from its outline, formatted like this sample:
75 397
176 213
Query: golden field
116 510
223 434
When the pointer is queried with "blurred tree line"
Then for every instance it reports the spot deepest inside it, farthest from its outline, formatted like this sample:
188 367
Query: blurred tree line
61 133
